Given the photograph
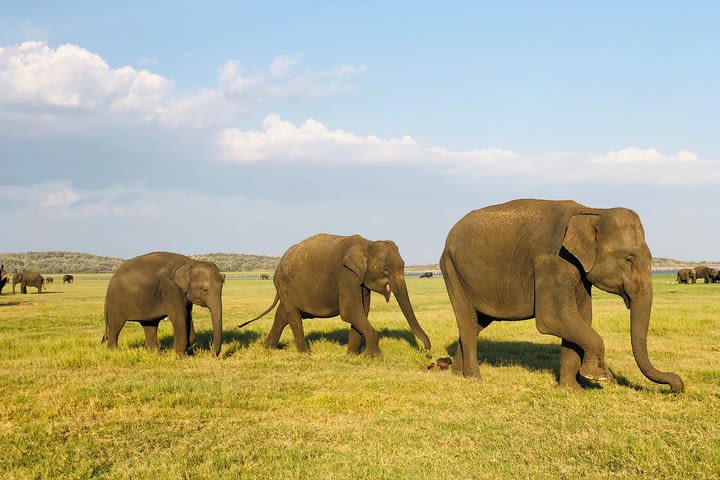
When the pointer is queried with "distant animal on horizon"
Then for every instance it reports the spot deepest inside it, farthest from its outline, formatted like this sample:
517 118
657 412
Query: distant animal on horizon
539 259
151 287
26 279
49 280
4 276
264 276
685 276
68 279
426 275
328 275
709 274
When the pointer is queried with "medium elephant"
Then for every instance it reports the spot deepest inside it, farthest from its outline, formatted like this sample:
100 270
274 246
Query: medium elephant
49 280
264 276
328 275
426 275
28 279
539 259
3 277
68 279
685 275
701 271
151 287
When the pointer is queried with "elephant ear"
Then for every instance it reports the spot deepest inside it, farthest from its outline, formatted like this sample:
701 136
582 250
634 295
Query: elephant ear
581 238
181 277
355 260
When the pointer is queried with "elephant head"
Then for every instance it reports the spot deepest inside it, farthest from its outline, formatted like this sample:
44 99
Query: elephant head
381 269
611 248
202 284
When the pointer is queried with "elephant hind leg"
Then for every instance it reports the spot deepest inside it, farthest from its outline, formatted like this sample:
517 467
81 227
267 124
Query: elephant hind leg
279 324
465 362
115 323
295 320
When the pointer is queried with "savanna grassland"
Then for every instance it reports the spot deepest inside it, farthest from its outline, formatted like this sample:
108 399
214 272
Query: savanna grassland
71 409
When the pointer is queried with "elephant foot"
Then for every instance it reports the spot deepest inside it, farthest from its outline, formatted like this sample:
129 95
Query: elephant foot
594 369
570 384
372 353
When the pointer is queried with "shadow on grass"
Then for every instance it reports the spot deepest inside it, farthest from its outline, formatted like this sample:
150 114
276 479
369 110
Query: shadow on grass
340 336
14 303
622 380
203 340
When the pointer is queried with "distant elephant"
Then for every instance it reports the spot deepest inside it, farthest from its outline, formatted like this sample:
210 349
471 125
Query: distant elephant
28 279
264 276
3 277
685 275
329 275
426 275
151 287
701 271
49 280
716 275
68 279
539 259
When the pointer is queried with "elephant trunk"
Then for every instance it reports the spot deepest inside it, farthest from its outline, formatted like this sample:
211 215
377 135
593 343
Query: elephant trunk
640 307
399 289
216 314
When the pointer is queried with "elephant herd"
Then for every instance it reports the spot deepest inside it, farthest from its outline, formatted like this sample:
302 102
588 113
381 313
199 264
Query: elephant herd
515 261
26 279
690 275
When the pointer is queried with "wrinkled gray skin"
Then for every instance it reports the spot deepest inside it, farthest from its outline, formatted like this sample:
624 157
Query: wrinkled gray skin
4 277
709 274
685 275
329 275
539 259
28 279
151 287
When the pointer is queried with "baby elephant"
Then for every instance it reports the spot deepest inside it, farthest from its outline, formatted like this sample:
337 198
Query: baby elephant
49 280
150 287
329 275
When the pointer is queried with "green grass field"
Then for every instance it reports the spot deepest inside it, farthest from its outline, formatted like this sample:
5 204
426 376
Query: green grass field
71 409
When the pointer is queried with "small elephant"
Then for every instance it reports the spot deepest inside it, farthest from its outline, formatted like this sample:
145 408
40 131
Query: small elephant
27 278
49 280
3 277
426 275
328 275
685 275
264 276
701 271
68 279
539 259
157 285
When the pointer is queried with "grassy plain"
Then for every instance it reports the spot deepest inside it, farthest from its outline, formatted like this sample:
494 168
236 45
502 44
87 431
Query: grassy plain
71 409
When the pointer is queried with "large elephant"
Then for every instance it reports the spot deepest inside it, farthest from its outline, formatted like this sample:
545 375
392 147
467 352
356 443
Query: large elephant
150 287
3 277
539 259
28 279
328 275
685 275
701 271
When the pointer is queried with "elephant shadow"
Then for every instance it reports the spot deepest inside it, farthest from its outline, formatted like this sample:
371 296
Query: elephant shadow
10 304
536 357
232 341
340 336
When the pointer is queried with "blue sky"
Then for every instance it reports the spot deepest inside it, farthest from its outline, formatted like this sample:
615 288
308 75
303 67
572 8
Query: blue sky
246 127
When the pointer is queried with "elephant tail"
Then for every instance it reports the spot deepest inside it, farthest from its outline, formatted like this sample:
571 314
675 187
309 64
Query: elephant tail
277 298
106 332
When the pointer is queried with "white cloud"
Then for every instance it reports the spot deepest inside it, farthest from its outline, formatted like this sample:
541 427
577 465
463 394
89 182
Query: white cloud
312 142
39 81
63 199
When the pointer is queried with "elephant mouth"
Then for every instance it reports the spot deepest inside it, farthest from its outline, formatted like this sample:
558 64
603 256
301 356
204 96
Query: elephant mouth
387 292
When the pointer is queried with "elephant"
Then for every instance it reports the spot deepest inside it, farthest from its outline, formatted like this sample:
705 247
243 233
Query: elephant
27 278
709 274
49 280
539 259
68 279
264 276
685 275
426 275
3 277
328 275
151 287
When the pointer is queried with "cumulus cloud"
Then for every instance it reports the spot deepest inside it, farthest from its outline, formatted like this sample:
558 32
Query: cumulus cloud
38 80
312 142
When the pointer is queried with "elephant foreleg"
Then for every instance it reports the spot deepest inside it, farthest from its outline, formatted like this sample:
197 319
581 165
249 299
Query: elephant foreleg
355 337
151 335
178 319
570 353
